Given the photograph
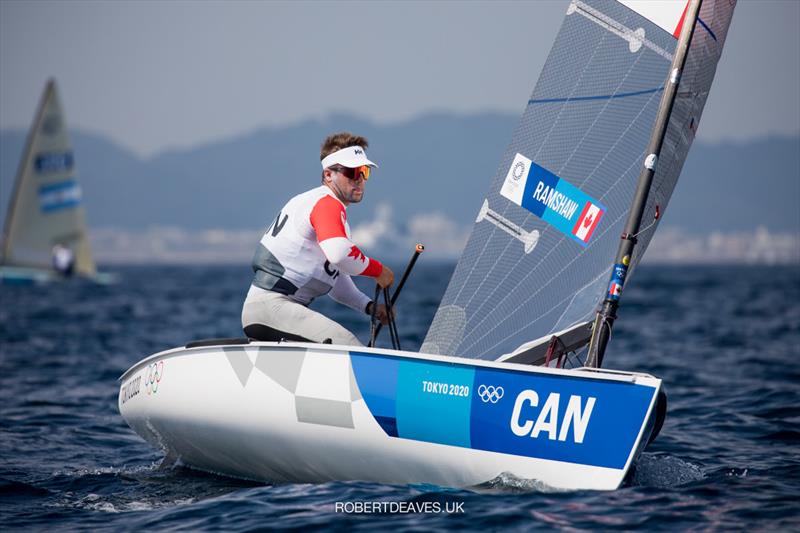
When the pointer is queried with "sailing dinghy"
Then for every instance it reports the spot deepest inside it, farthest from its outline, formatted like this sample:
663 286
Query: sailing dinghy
46 210
597 151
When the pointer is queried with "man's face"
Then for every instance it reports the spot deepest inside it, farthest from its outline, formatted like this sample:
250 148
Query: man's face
348 184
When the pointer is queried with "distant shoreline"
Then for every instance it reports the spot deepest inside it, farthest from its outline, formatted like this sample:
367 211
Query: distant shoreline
670 246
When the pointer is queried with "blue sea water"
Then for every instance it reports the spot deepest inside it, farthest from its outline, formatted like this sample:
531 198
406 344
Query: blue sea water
724 339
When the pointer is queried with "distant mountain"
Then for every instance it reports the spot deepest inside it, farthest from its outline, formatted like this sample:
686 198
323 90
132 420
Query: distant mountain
739 186
438 163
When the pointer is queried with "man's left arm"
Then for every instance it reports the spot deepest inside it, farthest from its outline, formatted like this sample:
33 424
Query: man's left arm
346 293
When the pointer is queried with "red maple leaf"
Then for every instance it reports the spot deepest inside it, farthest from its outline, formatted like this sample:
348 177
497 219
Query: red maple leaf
355 253
587 221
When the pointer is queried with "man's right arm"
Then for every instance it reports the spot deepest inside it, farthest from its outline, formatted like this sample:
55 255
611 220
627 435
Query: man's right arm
327 218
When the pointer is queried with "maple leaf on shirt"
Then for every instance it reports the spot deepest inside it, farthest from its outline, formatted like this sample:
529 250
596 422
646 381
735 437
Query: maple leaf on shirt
355 253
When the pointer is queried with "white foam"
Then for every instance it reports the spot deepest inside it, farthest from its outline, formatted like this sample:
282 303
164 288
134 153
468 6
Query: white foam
507 482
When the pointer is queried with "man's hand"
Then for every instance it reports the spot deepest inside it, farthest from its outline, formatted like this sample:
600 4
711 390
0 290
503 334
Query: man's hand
386 277
382 313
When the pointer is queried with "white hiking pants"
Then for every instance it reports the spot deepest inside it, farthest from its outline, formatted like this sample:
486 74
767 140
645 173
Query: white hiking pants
279 312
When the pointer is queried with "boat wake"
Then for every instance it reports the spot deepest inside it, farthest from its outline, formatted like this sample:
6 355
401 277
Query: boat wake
111 489
507 483
117 504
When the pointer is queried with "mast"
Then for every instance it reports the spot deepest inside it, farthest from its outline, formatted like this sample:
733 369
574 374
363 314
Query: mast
605 317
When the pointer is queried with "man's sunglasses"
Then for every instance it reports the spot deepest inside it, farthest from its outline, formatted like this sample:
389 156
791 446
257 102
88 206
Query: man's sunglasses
353 173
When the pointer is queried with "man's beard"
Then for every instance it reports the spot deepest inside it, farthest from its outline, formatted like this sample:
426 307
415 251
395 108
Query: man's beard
347 197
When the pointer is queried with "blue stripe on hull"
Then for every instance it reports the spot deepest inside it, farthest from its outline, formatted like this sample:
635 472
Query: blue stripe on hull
585 421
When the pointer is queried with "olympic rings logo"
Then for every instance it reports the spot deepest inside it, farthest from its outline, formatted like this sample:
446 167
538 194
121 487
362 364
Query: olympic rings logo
518 171
490 394
154 374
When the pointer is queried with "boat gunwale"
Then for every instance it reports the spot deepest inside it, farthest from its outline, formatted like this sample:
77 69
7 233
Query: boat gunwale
638 378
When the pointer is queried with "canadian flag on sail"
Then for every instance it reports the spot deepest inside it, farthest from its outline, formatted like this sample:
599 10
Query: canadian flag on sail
587 222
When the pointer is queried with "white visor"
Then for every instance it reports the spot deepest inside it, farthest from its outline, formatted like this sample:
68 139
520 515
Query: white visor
350 157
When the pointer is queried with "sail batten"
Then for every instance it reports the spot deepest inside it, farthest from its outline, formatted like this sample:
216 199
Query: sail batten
542 248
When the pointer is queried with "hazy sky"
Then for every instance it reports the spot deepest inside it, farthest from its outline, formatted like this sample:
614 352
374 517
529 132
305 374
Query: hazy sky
160 75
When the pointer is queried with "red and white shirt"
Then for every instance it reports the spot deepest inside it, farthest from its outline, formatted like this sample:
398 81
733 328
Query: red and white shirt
306 252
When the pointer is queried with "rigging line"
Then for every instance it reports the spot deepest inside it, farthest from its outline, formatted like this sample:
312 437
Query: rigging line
611 187
597 97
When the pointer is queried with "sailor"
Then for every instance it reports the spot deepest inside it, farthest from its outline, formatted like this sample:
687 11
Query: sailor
306 252
63 260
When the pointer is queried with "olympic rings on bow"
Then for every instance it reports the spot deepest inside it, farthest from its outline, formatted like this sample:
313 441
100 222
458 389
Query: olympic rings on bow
490 393
154 373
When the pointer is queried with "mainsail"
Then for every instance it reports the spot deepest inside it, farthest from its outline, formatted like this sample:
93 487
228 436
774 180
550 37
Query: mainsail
540 254
46 207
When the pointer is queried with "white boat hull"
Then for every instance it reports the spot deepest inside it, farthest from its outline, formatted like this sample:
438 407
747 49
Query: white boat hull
313 413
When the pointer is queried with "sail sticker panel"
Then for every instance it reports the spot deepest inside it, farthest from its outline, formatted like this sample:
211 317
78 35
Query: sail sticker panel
554 200
583 421
58 196
49 163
